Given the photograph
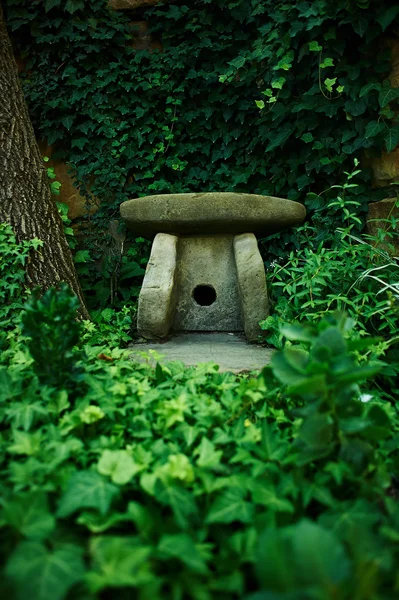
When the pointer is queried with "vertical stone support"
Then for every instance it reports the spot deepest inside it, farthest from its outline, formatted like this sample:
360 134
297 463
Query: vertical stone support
157 298
251 284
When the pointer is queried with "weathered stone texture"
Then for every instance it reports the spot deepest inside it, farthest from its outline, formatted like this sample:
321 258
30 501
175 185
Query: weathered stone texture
211 213
251 284
208 261
158 294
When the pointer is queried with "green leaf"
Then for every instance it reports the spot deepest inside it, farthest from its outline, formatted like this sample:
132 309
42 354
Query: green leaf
319 557
327 62
392 138
119 465
315 47
43 574
280 137
87 489
67 122
366 89
118 562
388 16
208 458
387 94
29 514
48 4
260 104
180 501
373 128
307 137
278 83
230 506
73 5
329 83
289 366
182 547
82 256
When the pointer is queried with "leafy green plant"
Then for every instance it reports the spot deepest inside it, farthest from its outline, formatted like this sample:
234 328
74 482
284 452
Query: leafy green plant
49 322
336 268
13 260
188 483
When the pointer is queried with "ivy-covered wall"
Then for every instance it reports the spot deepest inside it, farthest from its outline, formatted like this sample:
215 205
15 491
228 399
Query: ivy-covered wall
254 96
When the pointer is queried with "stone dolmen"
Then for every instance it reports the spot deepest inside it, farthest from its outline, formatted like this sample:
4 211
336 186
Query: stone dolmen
205 272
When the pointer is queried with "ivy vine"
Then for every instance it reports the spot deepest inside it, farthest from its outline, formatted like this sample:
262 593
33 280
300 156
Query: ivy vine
258 96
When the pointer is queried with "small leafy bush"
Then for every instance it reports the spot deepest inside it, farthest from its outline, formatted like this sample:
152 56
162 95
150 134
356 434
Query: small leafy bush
52 331
334 267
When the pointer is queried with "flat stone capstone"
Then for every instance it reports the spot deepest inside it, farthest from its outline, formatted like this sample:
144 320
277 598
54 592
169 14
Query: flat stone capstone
211 212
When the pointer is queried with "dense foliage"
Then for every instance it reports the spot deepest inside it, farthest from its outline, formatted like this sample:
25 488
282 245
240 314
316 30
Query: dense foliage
186 483
257 96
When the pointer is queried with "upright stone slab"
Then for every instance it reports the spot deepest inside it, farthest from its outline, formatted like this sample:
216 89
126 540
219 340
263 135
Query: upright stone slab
207 274
157 298
251 284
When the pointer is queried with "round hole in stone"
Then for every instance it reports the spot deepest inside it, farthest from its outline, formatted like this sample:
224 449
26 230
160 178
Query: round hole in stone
204 295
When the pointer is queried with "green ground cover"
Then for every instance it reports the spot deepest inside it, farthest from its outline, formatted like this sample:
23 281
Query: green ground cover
119 480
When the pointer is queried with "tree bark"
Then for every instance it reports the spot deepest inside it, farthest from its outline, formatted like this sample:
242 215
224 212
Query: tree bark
26 201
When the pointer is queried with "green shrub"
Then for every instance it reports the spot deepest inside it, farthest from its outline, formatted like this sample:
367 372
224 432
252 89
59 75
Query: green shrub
333 268
49 322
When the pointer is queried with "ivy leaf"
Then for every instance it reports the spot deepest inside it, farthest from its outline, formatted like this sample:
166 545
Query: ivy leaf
67 121
360 25
87 489
392 138
280 137
119 465
82 256
329 83
388 16
50 4
208 456
327 62
182 547
315 47
368 88
73 5
238 62
181 502
278 83
373 128
229 507
307 137
40 573
29 514
118 562
260 104
387 94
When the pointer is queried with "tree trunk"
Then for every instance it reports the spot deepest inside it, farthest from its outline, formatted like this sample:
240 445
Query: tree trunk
26 202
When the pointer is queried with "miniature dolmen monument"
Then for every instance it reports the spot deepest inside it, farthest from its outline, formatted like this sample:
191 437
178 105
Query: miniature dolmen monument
205 272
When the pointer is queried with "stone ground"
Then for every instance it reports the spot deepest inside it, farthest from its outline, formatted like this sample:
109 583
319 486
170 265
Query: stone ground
229 350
